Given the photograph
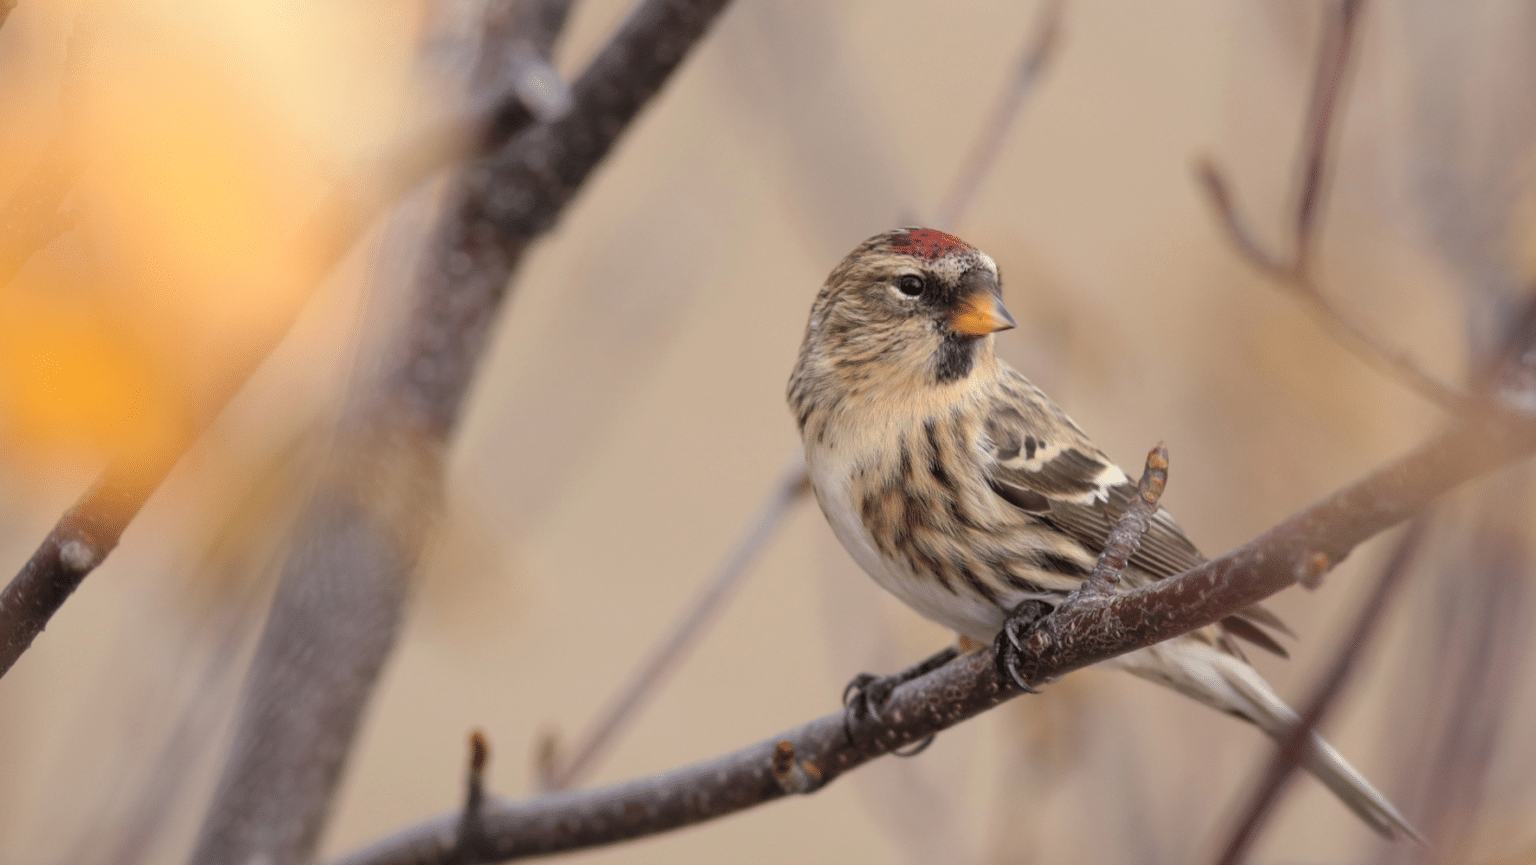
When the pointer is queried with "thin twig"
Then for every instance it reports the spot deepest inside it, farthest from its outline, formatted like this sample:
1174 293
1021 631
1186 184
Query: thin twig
557 772
1018 638
1329 83
561 774
1039 49
471 830
970 684
1296 744
1295 270
1125 539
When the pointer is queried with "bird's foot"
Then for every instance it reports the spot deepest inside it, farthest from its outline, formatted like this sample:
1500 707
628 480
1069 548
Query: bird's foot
867 694
1009 643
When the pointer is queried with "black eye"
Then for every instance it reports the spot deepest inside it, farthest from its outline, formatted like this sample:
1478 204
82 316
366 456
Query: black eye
911 285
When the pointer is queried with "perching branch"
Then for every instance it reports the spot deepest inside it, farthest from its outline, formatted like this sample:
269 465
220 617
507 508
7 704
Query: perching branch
342 592
970 684
1293 748
1294 270
558 770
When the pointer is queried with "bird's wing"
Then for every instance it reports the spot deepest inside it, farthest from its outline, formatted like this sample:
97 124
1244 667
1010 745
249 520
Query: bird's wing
1045 465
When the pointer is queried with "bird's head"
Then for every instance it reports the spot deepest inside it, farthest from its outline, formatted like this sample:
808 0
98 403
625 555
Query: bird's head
911 304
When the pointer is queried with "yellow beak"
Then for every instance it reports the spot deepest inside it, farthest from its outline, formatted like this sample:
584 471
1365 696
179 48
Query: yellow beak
981 313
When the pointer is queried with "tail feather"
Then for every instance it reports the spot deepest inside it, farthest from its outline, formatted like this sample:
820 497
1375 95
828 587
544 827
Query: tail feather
1224 682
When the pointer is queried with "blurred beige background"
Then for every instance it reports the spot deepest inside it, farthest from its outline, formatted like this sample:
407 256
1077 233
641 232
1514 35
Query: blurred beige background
630 419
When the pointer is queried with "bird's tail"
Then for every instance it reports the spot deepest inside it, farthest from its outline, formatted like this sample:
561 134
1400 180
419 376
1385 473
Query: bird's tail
1213 677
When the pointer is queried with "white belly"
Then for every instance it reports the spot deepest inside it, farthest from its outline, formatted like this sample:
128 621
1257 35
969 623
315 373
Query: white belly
962 612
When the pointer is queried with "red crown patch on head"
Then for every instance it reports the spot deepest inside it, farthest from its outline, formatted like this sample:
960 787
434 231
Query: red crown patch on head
928 244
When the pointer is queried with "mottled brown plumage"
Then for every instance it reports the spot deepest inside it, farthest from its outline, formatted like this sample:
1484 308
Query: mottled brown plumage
964 490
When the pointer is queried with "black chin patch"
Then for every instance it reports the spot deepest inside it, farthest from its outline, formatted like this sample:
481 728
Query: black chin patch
954 359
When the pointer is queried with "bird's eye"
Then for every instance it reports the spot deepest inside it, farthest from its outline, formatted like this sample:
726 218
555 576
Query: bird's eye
911 285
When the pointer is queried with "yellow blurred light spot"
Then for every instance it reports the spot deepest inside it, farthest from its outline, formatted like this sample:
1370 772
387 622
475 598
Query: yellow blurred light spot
68 379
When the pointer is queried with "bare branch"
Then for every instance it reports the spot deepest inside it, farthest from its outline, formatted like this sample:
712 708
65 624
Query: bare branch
1294 747
1295 270
560 774
77 544
970 684
342 592
1033 61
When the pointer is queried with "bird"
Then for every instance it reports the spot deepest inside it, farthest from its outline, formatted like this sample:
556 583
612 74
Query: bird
965 491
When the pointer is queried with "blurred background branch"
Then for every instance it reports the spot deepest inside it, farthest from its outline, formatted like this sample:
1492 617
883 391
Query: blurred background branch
31 218
1293 749
1296 269
343 588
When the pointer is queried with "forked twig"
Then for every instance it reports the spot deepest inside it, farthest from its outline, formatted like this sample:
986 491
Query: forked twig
1294 747
1294 270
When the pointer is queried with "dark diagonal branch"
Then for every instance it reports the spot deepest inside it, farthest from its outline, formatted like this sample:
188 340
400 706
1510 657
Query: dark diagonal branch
341 596
1321 535
970 684
1294 747
557 770
1294 270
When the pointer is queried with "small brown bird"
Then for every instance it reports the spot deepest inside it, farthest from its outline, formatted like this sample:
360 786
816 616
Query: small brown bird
965 491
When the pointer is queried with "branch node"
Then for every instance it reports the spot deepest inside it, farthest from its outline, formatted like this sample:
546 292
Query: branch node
471 833
791 777
78 555
1311 568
